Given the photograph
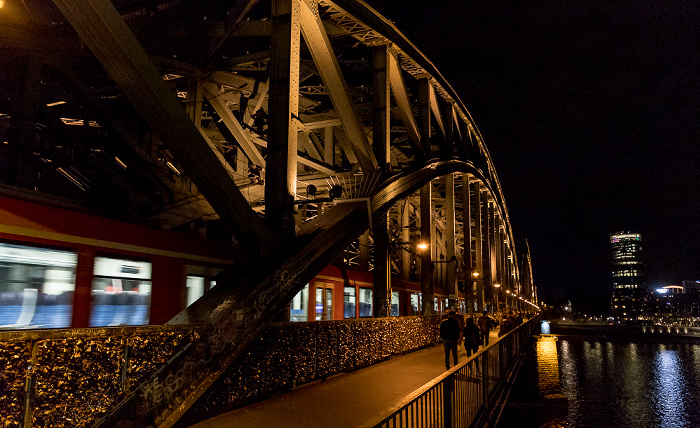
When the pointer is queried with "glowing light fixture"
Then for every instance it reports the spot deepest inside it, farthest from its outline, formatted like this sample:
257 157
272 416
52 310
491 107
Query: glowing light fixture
422 245
57 103
172 167
475 274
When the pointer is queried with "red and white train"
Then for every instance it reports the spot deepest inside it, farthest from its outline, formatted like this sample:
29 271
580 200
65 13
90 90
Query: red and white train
65 269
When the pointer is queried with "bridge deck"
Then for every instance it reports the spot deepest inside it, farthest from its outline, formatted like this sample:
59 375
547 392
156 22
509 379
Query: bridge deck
355 399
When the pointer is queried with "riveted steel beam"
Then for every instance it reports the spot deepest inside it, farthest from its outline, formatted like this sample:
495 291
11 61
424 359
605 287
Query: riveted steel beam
242 136
322 52
283 105
104 31
398 88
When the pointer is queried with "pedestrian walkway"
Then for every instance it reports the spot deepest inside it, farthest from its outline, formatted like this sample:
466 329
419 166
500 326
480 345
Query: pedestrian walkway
355 399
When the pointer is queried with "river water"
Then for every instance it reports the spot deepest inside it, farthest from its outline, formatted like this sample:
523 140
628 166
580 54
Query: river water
620 384
630 384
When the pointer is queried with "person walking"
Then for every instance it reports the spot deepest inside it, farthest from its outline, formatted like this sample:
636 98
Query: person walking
472 337
485 327
506 326
449 333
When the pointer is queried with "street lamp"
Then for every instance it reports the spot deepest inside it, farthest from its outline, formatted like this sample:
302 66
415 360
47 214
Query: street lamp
497 293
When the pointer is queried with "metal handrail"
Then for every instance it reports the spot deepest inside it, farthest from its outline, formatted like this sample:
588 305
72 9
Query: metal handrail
464 395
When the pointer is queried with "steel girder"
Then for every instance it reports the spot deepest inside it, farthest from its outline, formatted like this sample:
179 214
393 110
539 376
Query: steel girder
332 137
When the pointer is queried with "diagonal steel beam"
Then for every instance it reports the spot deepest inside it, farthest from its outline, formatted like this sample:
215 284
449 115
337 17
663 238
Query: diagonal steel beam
322 52
101 27
242 137
398 88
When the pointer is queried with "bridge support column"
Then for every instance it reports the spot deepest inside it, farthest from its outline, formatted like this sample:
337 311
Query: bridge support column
426 262
498 252
406 256
382 267
493 253
479 247
486 252
380 101
424 116
450 240
381 148
283 104
467 256
363 249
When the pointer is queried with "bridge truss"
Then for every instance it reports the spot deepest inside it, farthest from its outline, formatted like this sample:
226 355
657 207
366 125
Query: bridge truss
302 125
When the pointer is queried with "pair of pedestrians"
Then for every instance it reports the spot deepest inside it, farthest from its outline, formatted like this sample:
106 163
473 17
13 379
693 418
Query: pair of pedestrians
474 335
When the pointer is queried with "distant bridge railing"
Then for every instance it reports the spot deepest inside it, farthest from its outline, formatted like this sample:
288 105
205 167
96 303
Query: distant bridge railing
465 395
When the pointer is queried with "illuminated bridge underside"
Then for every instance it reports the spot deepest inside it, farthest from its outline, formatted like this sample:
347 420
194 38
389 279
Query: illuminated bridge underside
249 108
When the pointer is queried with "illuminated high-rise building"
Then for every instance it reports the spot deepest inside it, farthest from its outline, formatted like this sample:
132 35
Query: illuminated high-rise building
627 275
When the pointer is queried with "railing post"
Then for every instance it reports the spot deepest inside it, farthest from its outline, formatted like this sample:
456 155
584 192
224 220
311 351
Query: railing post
30 380
448 398
485 378
125 366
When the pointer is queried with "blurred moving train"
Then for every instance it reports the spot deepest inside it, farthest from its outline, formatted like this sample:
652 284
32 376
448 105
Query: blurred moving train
61 269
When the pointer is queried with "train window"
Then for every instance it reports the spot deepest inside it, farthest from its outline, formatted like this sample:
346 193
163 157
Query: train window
394 304
298 310
121 292
415 303
36 287
366 302
195 288
324 304
349 303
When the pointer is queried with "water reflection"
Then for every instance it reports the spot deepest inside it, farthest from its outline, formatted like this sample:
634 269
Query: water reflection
668 389
611 384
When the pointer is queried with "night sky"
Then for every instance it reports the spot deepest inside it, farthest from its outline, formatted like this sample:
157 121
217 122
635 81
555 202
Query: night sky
590 112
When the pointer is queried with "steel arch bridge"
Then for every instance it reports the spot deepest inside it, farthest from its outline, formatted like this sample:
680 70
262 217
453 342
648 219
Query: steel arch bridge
304 125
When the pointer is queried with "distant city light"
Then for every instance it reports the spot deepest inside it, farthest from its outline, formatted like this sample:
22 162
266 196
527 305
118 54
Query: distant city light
662 290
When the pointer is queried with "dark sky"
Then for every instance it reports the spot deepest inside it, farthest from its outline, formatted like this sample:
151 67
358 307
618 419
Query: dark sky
590 112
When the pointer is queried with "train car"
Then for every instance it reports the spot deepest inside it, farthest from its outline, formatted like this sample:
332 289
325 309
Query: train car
338 292
60 268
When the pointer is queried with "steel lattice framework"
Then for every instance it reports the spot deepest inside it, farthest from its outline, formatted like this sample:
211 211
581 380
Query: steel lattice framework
236 112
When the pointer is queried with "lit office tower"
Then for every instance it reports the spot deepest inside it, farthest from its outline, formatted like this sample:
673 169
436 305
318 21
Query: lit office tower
627 276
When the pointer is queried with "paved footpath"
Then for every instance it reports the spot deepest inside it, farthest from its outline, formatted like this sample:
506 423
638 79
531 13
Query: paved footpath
354 399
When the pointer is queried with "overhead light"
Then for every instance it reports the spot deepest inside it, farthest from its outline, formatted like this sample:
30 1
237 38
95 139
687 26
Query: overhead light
422 246
57 103
171 166
119 162
71 178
